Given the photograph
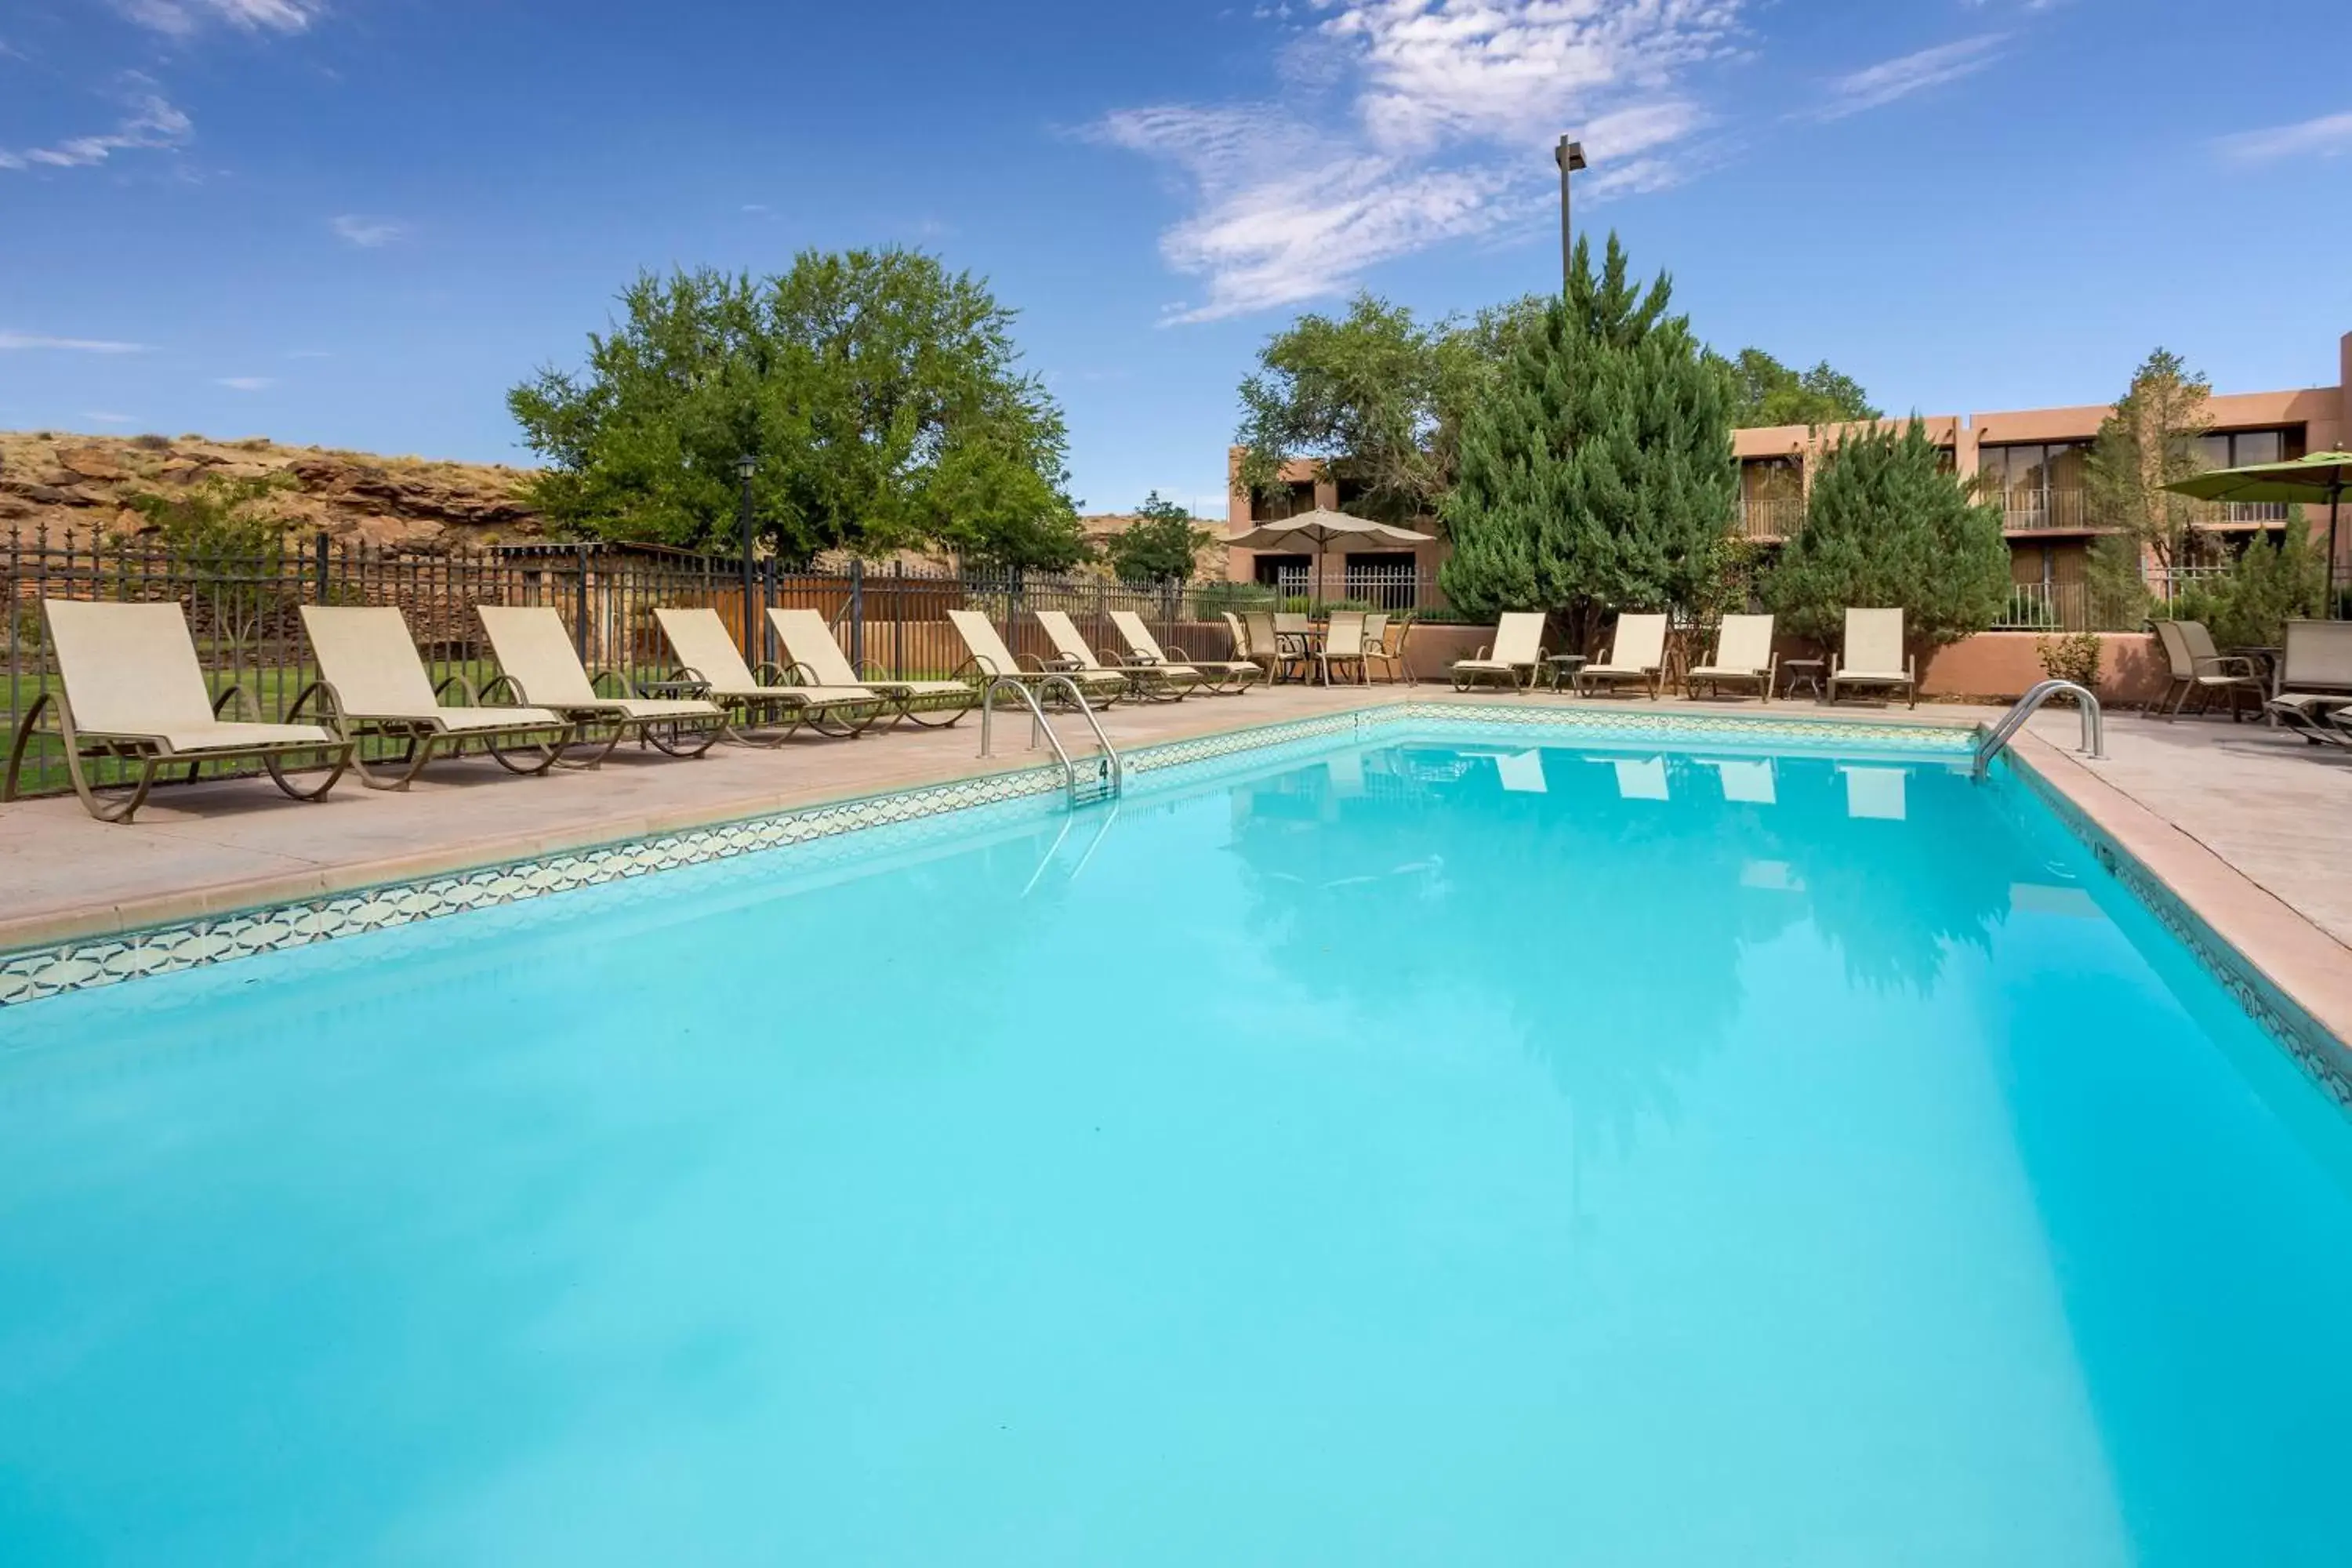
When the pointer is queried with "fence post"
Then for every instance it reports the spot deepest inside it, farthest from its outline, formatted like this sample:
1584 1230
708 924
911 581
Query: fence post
856 613
319 555
579 606
899 620
767 600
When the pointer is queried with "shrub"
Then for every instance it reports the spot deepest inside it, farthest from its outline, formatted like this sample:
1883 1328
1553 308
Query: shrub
2074 657
2250 605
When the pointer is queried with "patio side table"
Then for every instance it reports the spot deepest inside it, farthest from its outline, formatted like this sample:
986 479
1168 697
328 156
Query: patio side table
1806 672
1561 667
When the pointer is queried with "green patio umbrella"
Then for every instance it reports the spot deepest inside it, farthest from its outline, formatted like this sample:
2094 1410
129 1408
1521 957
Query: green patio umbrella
2322 475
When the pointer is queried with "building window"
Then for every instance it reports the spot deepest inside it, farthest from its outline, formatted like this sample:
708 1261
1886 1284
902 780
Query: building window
1283 501
2242 449
2036 484
1285 573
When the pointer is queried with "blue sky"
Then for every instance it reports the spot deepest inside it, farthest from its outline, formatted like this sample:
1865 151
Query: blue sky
357 222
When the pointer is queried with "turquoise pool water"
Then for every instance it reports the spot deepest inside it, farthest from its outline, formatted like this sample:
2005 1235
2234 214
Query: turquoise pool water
1443 1153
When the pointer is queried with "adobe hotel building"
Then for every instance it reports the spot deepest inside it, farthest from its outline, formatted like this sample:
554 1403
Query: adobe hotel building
2035 456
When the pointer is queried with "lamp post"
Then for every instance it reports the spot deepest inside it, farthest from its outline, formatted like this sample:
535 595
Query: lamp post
745 467
1570 156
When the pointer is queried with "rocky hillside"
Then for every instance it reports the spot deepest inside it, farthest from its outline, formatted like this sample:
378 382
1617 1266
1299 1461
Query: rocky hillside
74 487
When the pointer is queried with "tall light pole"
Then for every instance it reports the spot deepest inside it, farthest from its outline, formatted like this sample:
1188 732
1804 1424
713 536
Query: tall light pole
1570 156
745 467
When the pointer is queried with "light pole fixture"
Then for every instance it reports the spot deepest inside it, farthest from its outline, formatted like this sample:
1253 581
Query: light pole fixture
1570 156
745 467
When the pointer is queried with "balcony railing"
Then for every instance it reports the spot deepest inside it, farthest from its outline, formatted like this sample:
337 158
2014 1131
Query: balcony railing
2029 511
1771 519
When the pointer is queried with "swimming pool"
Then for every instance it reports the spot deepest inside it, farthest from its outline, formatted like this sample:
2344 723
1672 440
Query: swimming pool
1470 1148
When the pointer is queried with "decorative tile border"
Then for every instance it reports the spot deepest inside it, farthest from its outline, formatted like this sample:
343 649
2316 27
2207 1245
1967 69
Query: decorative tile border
2327 1061
86 963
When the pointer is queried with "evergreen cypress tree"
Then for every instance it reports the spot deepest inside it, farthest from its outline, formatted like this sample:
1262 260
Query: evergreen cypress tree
1889 524
1596 472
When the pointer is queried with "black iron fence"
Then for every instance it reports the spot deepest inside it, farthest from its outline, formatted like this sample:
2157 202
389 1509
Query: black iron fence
243 609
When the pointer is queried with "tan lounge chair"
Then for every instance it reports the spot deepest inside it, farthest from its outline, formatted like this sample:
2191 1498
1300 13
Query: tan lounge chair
1637 653
538 666
1169 683
373 683
993 658
2315 681
1874 656
2201 670
1343 644
1518 646
134 693
809 644
1228 676
763 706
1743 655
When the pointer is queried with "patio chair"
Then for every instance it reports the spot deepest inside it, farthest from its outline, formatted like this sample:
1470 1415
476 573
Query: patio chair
993 658
538 666
1168 682
1743 654
2200 670
1378 649
1282 653
1343 644
1229 677
763 706
132 691
1637 654
1518 645
1874 656
2315 681
809 644
372 684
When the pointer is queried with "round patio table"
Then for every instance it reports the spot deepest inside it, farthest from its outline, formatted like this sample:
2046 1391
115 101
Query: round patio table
1796 672
1561 668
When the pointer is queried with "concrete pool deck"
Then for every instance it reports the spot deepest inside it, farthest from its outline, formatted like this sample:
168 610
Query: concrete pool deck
2249 826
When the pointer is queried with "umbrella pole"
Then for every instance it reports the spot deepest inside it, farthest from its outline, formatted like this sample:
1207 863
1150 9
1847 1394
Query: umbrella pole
2335 500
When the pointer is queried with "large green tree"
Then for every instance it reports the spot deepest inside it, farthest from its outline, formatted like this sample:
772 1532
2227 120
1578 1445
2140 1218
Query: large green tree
881 394
1889 524
1596 470
2151 438
1766 392
1161 545
1373 398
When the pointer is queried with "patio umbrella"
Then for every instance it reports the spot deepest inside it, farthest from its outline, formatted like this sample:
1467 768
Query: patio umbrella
2303 479
1319 528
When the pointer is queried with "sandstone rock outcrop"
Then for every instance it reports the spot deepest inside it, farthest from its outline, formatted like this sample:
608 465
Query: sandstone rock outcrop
76 488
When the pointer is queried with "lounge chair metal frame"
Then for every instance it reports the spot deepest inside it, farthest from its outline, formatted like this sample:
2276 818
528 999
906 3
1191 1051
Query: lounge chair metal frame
1147 681
1645 667
765 704
1871 628
1720 671
1103 688
153 755
423 737
600 726
901 695
1214 678
1515 648
1377 648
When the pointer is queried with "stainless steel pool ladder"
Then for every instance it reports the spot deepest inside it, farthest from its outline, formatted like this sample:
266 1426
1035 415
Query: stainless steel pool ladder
1105 774
2095 731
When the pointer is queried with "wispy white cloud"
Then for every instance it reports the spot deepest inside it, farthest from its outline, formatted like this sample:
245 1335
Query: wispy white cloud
308 353
367 233
1873 87
184 18
101 417
11 342
2326 136
245 382
1409 123
151 123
